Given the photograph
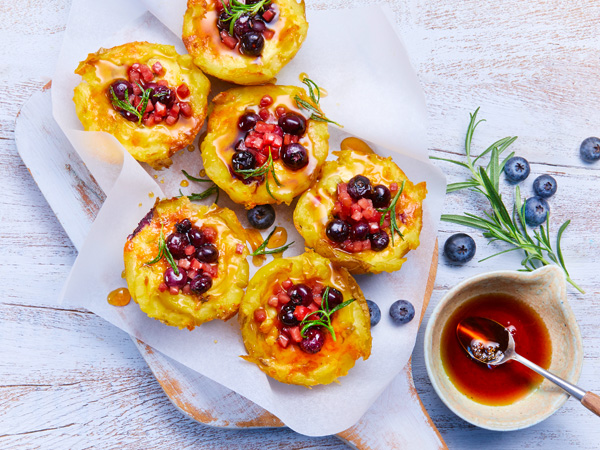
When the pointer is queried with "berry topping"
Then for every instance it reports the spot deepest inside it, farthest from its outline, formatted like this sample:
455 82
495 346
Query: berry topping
300 294
460 248
292 123
590 149
381 196
287 317
174 280
201 283
536 211
544 186
184 226
261 216
379 240
242 25
516 169
314 340
163 95
196 237
294 156
243 160
359 231
334 298
176 243
337 230
402 311
374 312
208 253
252 43
121 87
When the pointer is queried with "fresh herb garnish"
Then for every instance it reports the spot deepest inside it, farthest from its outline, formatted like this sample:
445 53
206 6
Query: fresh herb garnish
163 251
262 248
500 225
322 315
127 106
214 189
191 178
315 96
392 210
265 169
237 10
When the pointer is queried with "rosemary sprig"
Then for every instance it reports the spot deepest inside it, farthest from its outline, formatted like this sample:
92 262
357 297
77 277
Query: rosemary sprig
163 251
499 224
393 215
191 178
127 106
322 316
262 248
214 189
237 9
315 96
265 169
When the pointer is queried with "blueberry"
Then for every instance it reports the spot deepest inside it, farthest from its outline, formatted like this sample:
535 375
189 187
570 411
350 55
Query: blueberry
208 253
196 237
544 186
175 280
337 230
163 95
300 294
374 312
176 243
120 87
252 43
294 156
590 149
516 169
248 121
261 216
536 211
314 340
201 284
359 187
184 226
242 25
334 298
359 231
379 241
286 315
402 311
381 196
243 160
460 247
292 123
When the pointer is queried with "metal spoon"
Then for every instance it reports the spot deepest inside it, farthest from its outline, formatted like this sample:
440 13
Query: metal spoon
491 343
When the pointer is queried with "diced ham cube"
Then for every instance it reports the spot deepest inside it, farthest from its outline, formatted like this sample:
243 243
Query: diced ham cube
260 159
148 120
189 250
137 90
260 315
184 263
313 307
183 91
209 233
365 203
162 83
187 289
186 109
158 68
149 107
287 139
273 301
261 127
295 334
136 101
283 298
268 34
174 111
273 139
373 227
147 74
254 140
162 287
160 109
196 264
239 249
228 40
283 340
300 312
134 75
210 269
192 274
171 120
268 15
174 290
393 188
356 216
295 139
317 299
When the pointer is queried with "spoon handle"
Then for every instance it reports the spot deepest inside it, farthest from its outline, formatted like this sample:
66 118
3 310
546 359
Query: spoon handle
590 400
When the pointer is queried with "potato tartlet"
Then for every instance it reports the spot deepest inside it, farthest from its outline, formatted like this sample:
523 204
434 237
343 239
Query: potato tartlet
185 264
244 43
260 147
149 97
363 213
305 321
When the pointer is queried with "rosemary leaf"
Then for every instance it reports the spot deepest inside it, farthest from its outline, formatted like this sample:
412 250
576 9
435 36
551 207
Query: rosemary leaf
262 248
191 178
323 315
163 251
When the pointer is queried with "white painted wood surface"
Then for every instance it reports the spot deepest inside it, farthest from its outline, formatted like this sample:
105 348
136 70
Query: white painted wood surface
70 380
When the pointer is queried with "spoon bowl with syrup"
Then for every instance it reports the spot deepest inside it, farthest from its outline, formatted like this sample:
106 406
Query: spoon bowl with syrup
489 342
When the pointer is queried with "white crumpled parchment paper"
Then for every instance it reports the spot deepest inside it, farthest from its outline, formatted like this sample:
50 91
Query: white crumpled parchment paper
372 91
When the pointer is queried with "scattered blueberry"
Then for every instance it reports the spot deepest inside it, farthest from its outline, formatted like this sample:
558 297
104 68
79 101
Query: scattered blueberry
248 121
374 312
590 149
163 95
536 211
196 237
402 311
460 248
120 87
184 226
261 216
544 186
176 243
516 169
359 231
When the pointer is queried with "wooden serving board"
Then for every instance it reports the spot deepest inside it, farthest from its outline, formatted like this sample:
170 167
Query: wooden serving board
397 419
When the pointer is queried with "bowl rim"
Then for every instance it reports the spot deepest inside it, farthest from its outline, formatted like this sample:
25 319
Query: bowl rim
428 337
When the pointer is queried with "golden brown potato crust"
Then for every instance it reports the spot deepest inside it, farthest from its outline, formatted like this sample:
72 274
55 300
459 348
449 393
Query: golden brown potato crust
222 134
291 365
156 144
202 40
314 207
187 311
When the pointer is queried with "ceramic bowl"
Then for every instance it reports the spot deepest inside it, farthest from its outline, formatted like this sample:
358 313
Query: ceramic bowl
545 291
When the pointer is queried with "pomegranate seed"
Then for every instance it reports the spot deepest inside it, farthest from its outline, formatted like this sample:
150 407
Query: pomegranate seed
268 34
174 290
268 15
283 298
184 263
260 315
266 101
186 109
273 301
287 284
162 287
264 113
158 68
183 90
283 340
239 249
280 111
187 289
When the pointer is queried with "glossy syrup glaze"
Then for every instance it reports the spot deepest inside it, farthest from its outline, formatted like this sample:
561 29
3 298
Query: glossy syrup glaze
119 297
